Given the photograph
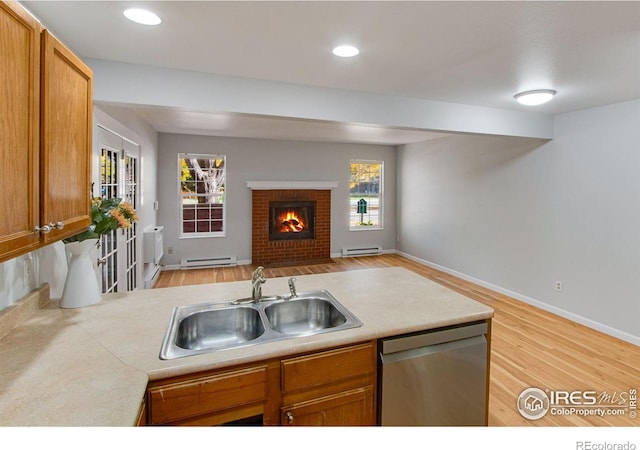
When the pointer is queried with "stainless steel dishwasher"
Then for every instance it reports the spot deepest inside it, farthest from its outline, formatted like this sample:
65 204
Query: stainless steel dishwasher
435 378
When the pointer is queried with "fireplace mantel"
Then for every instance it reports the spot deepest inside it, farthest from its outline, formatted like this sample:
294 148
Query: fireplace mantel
271 185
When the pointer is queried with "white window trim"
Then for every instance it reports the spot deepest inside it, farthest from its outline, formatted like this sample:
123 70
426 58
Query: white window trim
196 235
380 196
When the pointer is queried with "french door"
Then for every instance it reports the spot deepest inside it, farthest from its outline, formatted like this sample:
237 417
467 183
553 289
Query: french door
119 177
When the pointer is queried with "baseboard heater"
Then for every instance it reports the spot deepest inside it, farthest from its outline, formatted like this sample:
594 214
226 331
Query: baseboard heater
203 263
362 251
153 277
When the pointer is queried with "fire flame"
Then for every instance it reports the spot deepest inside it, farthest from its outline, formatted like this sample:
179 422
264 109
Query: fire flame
290 222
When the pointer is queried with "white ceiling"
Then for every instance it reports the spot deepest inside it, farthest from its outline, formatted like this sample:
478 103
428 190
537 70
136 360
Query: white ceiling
476 53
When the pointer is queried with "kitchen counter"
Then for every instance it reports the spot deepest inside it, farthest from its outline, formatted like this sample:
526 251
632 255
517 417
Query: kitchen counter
90 366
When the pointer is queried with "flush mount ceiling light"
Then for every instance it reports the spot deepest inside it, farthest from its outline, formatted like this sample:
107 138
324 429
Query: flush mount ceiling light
346 51
142 16
537 97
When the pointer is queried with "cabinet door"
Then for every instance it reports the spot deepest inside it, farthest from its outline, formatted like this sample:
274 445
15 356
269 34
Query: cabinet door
66 122
19 119
350 408
333 387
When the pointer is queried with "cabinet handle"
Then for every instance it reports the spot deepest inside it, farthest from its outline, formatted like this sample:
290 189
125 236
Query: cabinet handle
289 417
44 229
48 228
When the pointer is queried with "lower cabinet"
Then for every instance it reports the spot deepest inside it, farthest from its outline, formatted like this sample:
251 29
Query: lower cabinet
213 398
332 387
350 408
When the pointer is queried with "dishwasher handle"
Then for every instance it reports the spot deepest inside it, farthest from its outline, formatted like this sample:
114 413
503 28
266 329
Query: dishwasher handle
433 349
401 343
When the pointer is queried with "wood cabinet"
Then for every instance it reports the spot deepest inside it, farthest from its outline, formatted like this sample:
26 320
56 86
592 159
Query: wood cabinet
213 398
65 140
350 408
333 387
45 136
19 130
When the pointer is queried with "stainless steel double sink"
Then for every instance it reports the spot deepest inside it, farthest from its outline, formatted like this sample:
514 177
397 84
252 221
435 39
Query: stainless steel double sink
209 327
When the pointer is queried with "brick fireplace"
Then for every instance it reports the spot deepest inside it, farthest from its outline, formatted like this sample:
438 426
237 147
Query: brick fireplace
269 201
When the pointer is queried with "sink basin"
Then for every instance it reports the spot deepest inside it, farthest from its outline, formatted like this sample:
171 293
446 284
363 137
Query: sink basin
209 327
304 316
203 328
219 328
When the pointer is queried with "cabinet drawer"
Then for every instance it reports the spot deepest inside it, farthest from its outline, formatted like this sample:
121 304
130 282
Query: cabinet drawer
307 372
175 401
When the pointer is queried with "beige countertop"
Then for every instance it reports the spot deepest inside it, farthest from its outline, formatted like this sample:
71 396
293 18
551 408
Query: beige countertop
90 366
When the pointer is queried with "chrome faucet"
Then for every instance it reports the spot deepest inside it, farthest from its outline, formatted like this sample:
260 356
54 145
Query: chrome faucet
292 287
257 280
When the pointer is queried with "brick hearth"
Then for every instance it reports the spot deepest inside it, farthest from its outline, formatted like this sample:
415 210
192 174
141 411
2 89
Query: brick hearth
265 252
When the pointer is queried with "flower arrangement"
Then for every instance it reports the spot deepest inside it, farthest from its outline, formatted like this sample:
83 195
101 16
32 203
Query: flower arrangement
106 215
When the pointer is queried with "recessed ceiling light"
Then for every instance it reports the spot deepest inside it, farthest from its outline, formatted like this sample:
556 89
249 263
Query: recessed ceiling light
537 97
346 51
142 16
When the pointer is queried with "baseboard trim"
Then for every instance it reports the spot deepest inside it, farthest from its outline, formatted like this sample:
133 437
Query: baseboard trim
240 262
614 332
384 252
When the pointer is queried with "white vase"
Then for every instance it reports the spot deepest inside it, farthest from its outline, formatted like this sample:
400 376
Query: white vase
81 286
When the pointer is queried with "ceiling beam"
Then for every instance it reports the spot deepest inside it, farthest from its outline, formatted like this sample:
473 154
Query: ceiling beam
132 84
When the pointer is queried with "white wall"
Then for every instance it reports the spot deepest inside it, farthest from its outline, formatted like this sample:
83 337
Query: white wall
521 214
13 283
268 160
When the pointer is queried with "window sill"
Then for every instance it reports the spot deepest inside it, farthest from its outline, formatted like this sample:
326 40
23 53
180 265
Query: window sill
202 235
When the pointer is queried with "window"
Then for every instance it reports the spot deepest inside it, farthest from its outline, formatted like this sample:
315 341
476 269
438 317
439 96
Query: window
202 180
365 195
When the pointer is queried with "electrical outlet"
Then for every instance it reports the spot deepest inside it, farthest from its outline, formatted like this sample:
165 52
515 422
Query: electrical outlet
559 286
170 250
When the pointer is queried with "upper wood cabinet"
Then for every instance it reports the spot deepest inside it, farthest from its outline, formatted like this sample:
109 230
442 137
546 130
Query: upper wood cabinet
19 130
45 136
65 141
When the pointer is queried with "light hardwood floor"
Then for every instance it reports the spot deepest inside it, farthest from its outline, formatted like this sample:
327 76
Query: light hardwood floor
530 347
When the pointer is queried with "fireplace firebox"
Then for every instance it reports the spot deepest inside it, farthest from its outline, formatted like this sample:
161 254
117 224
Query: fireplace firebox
291 220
